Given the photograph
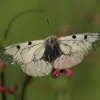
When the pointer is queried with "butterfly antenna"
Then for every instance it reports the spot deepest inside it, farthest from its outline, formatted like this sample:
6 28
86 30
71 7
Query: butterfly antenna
49 25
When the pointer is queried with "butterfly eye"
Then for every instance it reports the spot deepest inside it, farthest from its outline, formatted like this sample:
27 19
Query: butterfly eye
53 40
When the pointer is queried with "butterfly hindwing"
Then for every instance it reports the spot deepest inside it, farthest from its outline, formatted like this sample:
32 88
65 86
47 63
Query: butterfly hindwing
37 68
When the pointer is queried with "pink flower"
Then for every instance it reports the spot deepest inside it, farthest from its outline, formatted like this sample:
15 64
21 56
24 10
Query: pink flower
9 90
67 72
4 89
55 73
14 87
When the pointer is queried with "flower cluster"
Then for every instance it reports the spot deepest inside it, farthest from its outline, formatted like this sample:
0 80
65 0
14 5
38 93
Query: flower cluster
55 73
9 90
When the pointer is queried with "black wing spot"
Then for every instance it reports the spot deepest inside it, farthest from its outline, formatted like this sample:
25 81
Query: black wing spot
18 47
29 43
85 36
74 36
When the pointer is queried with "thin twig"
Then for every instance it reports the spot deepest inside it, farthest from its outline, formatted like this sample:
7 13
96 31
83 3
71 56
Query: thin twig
24 87
3 82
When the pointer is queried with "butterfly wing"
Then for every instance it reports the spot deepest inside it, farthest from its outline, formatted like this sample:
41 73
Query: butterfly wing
37 68
29 56
20 53
75 47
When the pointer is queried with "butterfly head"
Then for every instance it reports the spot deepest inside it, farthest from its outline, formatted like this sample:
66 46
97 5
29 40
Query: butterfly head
51 41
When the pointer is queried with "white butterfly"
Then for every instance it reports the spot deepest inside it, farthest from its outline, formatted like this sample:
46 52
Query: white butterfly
41 57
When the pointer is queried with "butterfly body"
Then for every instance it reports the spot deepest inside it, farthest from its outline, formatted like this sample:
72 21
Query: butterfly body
52 49
41 57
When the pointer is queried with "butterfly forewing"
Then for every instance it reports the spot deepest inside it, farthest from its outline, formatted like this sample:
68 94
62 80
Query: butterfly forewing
21 52
81 42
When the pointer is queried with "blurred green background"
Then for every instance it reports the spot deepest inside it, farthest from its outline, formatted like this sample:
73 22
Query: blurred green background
75 16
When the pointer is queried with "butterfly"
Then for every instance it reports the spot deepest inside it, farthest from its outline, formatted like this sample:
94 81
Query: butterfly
41 57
